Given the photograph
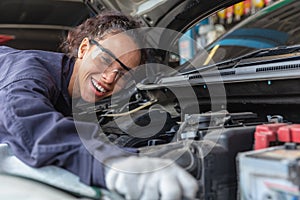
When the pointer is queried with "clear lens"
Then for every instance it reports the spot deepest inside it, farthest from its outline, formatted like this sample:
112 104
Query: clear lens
101 59
106 64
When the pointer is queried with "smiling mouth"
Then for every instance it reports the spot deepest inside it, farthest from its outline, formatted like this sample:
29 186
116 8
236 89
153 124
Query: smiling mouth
98 87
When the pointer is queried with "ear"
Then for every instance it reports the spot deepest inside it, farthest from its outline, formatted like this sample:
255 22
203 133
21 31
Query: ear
83 47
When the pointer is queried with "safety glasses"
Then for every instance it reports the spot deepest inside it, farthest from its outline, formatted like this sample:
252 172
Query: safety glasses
104 57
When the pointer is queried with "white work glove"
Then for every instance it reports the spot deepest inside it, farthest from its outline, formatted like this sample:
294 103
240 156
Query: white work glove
144 178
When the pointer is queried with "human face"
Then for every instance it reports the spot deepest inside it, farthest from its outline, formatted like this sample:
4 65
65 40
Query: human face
101 64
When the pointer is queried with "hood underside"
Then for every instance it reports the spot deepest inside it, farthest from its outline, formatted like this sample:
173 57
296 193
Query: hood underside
172 14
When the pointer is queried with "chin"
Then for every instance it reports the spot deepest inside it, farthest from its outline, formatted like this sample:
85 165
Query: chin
89 98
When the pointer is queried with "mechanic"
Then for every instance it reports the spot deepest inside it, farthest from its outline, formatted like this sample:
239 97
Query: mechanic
36 94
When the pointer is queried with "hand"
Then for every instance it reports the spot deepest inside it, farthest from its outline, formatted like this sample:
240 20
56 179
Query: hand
147 178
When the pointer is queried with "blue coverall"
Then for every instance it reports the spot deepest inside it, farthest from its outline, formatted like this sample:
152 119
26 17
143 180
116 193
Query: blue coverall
36 115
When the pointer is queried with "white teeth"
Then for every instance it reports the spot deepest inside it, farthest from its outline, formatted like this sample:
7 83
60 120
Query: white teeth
99 88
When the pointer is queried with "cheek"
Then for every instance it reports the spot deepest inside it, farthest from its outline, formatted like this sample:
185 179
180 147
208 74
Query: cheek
82 79
84 73
121 83
117 88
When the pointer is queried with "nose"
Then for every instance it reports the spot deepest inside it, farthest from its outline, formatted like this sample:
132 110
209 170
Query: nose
110 76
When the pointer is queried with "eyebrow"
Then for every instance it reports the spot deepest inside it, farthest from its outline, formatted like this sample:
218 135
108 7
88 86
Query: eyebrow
109 53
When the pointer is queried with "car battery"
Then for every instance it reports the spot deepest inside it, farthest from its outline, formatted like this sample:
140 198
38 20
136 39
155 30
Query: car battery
272 173
268 135
219 166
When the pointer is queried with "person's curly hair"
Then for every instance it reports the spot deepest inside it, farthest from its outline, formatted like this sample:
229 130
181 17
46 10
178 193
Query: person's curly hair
107 22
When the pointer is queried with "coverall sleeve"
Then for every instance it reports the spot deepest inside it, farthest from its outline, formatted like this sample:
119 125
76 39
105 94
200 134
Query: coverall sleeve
39 135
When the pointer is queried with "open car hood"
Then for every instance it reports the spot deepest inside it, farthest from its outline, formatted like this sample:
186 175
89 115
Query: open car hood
172 17
172 14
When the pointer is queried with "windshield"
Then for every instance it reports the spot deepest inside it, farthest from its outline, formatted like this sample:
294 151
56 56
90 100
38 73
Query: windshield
276 25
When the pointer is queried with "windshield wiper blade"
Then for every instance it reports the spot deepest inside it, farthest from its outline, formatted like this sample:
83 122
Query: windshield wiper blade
280 50
231 63
268 52
226 63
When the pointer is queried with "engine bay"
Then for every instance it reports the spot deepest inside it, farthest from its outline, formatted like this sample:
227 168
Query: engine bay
199 107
